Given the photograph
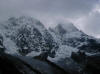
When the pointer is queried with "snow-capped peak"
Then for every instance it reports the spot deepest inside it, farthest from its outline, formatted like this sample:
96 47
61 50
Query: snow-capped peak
28 34
24 20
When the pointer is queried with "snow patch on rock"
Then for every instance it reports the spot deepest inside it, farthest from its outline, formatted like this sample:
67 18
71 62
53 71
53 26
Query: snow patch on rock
63 52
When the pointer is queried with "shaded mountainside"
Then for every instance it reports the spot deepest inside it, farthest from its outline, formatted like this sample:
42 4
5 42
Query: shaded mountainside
25 65
90 64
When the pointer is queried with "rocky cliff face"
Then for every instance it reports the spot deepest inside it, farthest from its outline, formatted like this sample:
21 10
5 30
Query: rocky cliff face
68 34
27 34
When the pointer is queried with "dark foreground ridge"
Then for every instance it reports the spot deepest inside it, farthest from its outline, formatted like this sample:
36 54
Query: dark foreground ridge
21 65
12 65
90 63
25 65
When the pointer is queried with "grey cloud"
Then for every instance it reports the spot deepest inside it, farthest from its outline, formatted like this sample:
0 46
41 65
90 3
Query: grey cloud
68 8
91 24
48 11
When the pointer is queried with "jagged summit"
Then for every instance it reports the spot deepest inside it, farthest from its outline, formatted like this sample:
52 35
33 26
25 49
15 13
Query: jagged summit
67 34
67 30
24 20
26 34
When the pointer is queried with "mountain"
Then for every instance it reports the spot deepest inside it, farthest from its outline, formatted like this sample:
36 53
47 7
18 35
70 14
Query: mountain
68 34
78 52
28 36
23 35
26 46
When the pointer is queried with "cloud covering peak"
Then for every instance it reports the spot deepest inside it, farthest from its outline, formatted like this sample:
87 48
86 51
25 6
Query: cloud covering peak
52 11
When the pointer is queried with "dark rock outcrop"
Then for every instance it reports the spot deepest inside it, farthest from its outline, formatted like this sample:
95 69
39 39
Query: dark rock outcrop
89 64
93 64
12 65
25 65
2 48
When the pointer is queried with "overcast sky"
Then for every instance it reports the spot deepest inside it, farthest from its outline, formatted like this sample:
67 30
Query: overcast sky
85 14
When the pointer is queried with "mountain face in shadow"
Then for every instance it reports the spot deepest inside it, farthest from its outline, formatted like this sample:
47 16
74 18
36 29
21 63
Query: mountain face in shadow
10 64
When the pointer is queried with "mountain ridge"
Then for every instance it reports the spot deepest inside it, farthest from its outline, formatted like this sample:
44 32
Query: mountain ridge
28 35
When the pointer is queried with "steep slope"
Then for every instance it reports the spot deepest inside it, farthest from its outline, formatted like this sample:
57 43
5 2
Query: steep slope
2 48
63 52
68 34
26 34
70 39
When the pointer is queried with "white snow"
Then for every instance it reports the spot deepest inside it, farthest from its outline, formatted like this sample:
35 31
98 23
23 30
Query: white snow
33 54
63 52
10 46
7 29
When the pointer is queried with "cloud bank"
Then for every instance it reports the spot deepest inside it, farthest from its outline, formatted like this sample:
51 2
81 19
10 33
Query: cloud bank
84 13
